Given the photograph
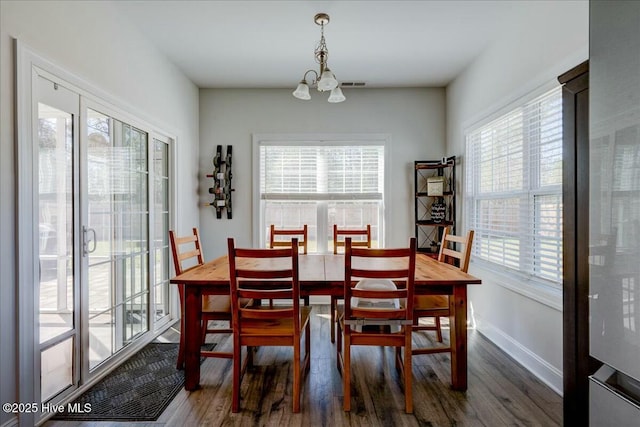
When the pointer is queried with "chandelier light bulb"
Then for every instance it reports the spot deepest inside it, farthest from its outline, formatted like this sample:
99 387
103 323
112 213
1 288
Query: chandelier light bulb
336 96
327 81
302 91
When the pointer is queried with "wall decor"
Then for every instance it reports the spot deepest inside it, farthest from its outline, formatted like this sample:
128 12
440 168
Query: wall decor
221 175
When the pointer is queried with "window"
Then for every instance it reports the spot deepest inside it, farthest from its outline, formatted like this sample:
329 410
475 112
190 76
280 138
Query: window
514 188
321 184
161 216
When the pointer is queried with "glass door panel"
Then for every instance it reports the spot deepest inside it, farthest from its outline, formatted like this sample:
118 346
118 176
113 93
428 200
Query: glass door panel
56 368
118 214
161 226
55 221
56 291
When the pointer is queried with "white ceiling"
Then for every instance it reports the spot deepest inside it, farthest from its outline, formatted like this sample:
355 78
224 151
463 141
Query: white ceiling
248 44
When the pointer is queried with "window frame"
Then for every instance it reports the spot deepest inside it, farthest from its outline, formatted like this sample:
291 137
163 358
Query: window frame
523 279
314 139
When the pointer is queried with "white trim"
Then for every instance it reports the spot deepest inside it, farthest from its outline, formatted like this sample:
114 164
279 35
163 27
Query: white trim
27 355
82 269
531 287
543 370
325 138
173 218
321 196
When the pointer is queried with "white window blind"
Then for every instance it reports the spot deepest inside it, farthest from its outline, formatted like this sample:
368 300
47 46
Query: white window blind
514 188
321 185
321 172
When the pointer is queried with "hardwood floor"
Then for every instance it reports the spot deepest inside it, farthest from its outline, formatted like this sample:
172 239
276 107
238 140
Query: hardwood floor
500 392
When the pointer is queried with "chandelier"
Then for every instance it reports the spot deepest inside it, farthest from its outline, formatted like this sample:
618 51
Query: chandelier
324 80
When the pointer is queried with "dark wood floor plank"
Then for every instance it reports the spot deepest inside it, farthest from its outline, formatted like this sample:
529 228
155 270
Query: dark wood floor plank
516 387
523 380
500 393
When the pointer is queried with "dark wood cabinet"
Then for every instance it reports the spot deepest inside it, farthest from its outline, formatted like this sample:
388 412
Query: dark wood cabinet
577 365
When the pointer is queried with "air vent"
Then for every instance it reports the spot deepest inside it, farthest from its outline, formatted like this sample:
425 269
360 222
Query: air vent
352 84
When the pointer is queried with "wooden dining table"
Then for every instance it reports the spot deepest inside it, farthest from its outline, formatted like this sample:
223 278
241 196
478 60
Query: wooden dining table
324 275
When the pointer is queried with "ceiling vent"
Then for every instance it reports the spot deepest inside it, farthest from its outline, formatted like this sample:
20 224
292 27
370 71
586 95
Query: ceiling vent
352 84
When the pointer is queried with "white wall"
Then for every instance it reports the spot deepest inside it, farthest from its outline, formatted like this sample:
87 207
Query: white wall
90 41
414 118
551 39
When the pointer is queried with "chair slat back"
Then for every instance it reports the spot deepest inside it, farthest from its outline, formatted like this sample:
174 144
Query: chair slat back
397 264
449 254
264 274
182 255
344 232
302 233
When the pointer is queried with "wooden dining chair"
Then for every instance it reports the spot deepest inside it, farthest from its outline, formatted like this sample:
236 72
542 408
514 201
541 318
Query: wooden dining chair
274 242
339 234
267 274
187 254
381 317
437 306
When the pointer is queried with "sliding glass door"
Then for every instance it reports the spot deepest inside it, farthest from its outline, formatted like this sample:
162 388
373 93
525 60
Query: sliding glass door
103 192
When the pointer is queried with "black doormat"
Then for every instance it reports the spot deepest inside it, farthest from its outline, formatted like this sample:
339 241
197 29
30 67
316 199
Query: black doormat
138 390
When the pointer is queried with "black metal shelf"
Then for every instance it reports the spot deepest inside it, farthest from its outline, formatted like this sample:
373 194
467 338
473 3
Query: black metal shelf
424 194
428 232
434 223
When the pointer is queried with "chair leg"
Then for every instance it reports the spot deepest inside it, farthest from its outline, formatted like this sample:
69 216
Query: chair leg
203 328
180 362
334 326
236 376
408 376
307 347
338 346
346 374
296 377
250 351
438 329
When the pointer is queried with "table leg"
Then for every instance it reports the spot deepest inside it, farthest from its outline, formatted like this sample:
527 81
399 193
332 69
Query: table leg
192 325
458 337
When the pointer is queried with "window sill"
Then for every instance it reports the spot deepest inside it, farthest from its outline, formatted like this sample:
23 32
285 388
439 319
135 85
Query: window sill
529 287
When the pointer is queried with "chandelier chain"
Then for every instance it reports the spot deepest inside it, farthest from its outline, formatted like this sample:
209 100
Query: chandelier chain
322 52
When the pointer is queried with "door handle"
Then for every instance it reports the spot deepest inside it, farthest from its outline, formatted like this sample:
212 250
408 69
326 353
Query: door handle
85 240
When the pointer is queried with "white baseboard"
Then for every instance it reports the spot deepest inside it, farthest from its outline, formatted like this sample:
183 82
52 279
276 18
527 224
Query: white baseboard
547 373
